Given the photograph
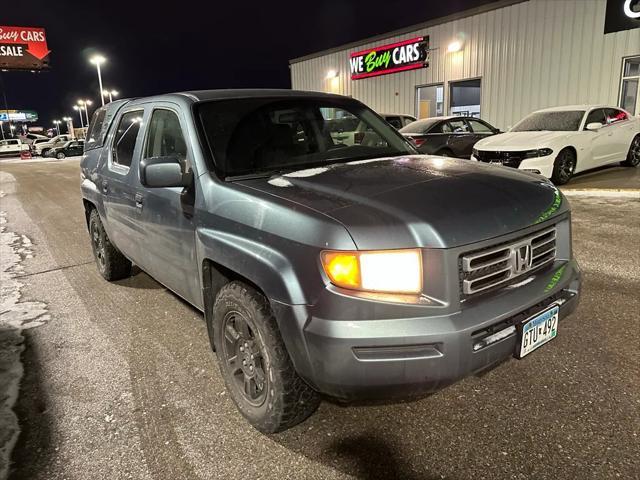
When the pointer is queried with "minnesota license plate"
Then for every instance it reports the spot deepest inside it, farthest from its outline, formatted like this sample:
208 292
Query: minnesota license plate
538 330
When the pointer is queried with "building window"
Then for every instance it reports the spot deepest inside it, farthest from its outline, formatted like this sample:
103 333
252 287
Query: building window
629 88
464 98
430 101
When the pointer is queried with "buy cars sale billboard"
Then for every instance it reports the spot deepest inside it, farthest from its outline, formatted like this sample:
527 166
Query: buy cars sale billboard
392 58
23 48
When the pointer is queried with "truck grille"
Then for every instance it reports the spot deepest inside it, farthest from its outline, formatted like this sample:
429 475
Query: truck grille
508 159
496 266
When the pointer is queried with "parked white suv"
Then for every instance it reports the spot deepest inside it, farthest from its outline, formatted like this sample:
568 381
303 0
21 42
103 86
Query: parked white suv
57 141
558 142
12 147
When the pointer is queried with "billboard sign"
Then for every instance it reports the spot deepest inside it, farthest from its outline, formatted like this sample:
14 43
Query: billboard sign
621 15
23 48
18 116
392 58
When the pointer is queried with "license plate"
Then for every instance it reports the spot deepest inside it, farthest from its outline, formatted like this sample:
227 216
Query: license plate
538 330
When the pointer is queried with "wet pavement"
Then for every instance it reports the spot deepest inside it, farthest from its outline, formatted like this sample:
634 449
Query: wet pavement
121 383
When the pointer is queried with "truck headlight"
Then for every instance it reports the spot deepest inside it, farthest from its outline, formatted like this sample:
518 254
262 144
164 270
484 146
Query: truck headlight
389 271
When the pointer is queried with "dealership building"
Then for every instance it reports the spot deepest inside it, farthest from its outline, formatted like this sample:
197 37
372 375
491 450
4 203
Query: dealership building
500 61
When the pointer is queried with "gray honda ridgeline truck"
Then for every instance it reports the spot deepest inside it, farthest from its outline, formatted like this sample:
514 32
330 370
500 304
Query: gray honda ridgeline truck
358 271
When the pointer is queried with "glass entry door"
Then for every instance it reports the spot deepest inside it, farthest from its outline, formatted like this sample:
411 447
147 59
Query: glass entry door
430 101
630 86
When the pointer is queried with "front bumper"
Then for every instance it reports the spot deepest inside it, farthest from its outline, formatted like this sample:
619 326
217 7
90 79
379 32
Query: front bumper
540 165
368 358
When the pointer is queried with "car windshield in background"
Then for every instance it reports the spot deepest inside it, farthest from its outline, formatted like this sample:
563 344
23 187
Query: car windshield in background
560 121
264 135
420 126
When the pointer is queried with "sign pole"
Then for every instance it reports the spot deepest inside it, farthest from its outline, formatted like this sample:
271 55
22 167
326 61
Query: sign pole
6 104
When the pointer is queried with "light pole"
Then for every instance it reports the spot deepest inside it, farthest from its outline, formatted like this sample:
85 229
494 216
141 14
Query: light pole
79 110
69 123
57 124
110 93
84 103
12 128
98 60
2 129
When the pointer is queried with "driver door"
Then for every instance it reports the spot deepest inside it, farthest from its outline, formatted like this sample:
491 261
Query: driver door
598 140
169 230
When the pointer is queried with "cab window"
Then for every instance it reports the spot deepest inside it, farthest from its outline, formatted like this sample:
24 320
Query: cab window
125 138
165 137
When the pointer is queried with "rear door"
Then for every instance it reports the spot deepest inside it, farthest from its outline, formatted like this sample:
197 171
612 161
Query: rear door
167 213
117 184
622 132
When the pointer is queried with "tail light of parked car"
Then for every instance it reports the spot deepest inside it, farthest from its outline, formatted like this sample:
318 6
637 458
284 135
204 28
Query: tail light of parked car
417 141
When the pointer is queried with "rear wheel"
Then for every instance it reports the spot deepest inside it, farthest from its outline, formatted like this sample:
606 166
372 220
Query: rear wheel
564 166
112 264
633 157
254 362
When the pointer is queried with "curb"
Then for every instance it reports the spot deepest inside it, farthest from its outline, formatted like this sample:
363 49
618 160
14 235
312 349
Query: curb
603 192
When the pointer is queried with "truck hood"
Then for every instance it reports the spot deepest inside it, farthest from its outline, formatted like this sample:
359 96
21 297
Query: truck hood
418 201
520 141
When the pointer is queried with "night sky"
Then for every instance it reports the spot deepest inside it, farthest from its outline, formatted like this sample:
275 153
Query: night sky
162 46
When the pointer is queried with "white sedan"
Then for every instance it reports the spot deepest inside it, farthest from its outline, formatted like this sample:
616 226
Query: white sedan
558 142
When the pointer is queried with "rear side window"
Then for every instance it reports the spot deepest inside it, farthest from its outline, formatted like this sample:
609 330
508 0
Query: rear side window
165 137
614 115
125 138
455 126
98 127
395 122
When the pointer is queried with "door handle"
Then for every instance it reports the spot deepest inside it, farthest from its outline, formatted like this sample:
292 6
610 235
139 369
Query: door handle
105 186
139 200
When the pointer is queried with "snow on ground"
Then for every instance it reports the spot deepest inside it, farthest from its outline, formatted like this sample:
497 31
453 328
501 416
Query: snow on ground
34 159
15 315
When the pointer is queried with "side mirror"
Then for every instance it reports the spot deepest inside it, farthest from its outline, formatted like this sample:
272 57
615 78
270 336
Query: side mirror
156 172
593 126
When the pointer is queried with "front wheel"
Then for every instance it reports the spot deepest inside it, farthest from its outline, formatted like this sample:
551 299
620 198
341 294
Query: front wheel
633 157
564 167
254 362
112 264
60 155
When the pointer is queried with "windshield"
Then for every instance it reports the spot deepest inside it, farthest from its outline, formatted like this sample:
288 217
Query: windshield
560 121
261 135
420 126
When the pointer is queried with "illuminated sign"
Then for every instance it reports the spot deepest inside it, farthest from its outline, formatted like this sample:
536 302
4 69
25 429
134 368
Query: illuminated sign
392 58
23 48
621 15
18 116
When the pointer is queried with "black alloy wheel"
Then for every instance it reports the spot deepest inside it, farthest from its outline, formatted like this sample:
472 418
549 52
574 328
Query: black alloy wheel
242 352
633 157
564 167
98 244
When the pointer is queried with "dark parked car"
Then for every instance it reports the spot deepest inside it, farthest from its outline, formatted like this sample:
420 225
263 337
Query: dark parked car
67 149
359 271
448 136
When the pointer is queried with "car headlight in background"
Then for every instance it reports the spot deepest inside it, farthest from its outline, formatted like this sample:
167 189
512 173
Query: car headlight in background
388 271
540 152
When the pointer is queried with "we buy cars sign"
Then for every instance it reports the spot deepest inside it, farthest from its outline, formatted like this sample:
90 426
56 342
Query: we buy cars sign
23 48
392 58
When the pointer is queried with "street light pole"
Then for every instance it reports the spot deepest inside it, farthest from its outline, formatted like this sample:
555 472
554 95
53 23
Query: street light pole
98 60
2 129
57 124
79 110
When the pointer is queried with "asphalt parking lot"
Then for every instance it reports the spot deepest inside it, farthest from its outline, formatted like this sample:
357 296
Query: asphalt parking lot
119 380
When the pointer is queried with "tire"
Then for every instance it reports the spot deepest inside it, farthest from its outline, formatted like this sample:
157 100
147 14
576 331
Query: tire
633 157
112 264
60 155
265 386
564 166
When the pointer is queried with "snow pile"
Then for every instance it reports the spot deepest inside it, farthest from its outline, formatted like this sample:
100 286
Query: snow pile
14 317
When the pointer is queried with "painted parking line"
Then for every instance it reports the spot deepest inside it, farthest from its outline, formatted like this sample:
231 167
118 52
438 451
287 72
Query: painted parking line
603 192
